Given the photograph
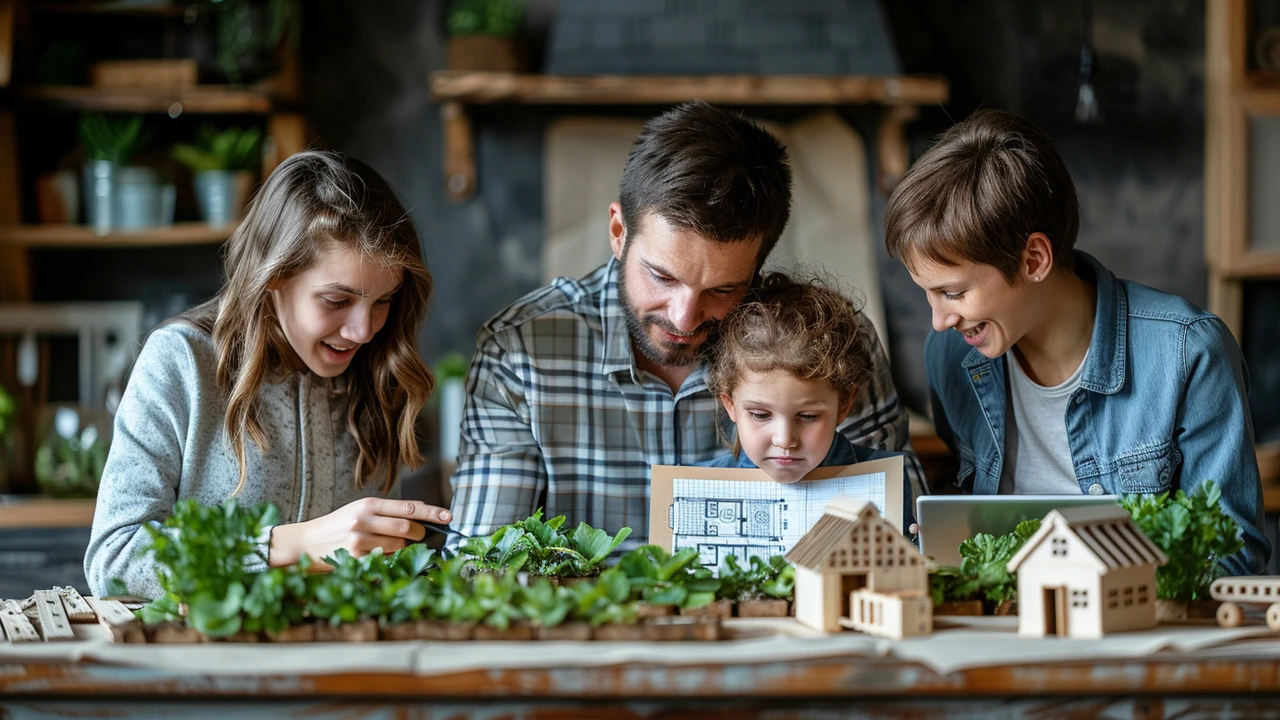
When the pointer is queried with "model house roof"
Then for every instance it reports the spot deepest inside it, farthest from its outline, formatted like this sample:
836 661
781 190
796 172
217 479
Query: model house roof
1107 530
842 515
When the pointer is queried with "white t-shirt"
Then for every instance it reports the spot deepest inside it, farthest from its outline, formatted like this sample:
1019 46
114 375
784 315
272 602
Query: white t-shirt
1037 454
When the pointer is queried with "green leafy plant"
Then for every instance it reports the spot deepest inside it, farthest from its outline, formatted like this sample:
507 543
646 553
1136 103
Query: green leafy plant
663 578
249 31
69 462
112 138
983 573
8 414
207 559
1193 532
485 17
451 366
541 548
371 586
232 148
760 579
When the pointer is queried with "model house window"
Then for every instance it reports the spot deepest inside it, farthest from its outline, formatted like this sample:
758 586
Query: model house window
1128 597
1079 598
1059 547
1142 595
1113 598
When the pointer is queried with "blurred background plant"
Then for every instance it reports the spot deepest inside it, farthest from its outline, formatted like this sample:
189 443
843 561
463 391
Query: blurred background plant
485 17
248 32
112 138
231 148
69 461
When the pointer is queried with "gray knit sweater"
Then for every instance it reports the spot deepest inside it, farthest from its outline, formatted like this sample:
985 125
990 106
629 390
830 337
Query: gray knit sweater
170 444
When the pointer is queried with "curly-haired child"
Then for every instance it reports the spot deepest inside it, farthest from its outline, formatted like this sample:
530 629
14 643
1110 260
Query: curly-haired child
787 367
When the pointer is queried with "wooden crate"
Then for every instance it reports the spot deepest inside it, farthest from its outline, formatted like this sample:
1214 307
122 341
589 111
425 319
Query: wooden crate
169 73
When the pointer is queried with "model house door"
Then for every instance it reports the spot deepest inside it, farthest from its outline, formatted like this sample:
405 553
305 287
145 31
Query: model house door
1055 611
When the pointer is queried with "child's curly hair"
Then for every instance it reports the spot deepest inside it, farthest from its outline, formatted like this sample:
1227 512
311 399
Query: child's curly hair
805 328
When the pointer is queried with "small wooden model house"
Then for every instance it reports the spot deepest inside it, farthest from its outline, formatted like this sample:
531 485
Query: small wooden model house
855 569
1087 571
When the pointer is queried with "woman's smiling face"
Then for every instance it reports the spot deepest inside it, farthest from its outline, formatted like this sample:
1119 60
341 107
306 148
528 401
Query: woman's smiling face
977 301
328 311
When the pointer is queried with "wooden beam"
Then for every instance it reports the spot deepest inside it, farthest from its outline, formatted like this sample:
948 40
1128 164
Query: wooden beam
893 154
113 615
459 152
497 87
15 271
54 625
287 133
205 99
73 602
7 10
17 627
83 236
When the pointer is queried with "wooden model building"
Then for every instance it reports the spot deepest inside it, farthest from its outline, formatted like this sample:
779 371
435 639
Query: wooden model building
855 569
1087 571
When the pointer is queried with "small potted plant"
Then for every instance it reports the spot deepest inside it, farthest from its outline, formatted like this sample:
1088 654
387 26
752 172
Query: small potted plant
222 165
109 143
8 420
70 460
483 35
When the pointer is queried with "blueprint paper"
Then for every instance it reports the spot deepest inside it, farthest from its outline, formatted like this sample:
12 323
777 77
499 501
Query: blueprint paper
742 512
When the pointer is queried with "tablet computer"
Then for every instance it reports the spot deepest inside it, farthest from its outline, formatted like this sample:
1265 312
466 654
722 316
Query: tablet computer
948 520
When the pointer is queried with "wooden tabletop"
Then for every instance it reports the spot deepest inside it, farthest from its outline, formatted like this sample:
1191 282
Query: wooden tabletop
37 512
901 689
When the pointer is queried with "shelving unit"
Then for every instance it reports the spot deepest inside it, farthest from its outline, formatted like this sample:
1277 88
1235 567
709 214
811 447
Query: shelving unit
1238 101
83 236
273 99
455 90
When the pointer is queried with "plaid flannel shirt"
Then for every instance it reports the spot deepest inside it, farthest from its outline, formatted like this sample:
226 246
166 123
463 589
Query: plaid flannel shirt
558 416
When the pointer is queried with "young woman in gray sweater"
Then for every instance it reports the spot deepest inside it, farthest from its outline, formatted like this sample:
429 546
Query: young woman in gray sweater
298 384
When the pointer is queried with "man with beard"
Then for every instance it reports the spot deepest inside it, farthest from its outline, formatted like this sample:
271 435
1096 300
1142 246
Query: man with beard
579 387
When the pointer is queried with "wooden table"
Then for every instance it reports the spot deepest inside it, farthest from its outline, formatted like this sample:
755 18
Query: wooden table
839 687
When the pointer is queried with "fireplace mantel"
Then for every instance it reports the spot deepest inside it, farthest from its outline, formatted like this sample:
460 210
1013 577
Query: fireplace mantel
900 95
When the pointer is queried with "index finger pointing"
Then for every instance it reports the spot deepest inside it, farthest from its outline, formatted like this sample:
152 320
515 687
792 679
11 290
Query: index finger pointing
414 510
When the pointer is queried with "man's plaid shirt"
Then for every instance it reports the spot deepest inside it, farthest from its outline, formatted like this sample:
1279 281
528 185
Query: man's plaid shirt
558 416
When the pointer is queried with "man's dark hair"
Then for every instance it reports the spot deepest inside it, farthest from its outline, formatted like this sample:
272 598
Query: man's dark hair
711 172
979 193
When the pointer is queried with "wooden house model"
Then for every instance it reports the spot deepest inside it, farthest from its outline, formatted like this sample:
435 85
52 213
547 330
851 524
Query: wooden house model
1087 571
855 569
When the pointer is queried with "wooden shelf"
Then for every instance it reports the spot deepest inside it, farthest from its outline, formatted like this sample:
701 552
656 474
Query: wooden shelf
108 9
455 89
207 99
83 236
41 512
494 87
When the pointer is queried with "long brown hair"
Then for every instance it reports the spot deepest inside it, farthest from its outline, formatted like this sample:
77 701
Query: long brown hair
313 202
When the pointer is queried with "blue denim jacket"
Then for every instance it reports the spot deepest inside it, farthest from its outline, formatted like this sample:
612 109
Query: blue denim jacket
1162 405
842 452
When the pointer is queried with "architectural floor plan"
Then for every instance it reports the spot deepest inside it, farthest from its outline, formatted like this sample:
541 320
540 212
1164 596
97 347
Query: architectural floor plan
750 517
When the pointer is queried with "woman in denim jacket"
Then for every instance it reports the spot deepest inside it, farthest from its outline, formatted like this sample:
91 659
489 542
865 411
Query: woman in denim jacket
1059 377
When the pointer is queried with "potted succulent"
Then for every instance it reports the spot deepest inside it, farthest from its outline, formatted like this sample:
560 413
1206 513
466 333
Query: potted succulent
222 165
483 35
109 143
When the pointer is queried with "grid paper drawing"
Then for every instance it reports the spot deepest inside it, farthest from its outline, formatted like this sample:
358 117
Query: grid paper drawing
744 518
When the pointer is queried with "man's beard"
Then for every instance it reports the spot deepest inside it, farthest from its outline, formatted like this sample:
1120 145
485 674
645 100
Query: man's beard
665 356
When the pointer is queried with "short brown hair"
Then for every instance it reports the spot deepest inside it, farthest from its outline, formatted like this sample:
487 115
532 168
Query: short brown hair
709 171
807 329
979 193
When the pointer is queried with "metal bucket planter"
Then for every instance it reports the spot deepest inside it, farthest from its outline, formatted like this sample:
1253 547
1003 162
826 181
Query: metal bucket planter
221 194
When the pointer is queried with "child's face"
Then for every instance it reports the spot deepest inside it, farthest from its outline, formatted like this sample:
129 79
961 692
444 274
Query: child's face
785 424
978 302
330 310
